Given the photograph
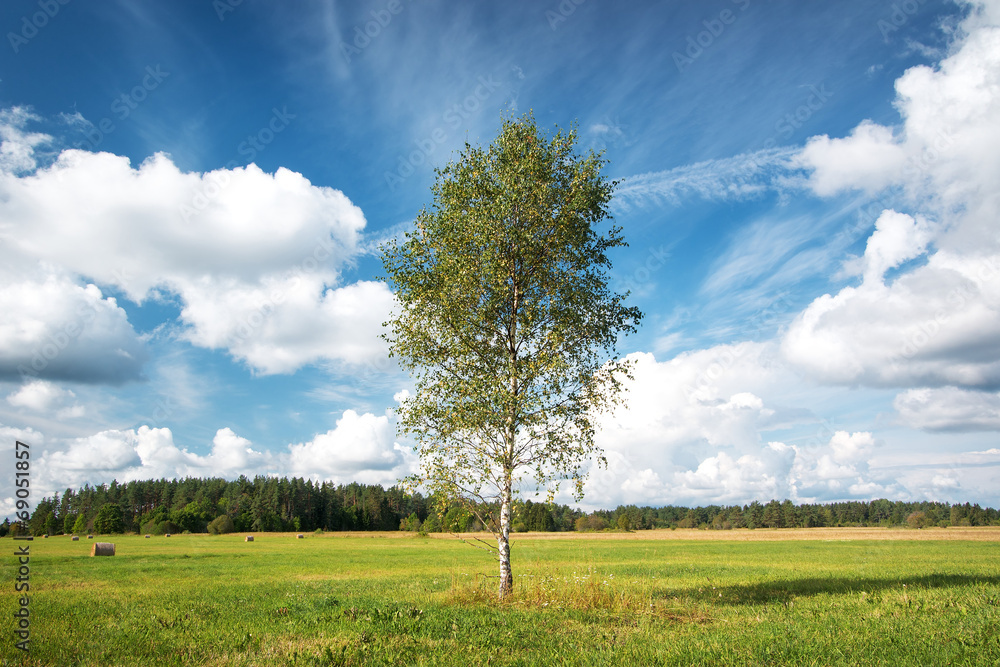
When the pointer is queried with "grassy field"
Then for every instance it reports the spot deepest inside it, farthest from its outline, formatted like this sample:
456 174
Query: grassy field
813 597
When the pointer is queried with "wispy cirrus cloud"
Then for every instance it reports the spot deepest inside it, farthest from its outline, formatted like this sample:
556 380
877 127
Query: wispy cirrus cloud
737 177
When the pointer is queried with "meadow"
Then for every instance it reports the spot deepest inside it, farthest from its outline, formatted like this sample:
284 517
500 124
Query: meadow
797 597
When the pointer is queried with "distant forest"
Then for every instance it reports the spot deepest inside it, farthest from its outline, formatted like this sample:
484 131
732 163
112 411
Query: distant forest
272 504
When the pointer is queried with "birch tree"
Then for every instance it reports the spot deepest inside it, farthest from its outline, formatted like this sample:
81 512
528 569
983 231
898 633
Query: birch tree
508 325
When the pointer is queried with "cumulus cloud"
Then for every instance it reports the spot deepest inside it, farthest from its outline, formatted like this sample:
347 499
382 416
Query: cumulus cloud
722 479
835 470
104 451
897 238
232 452
850 448
148 453
45 397
949 409
690 419
360 448
936 325
254 258
360 444
937 322
291 322
155 226
953 476
704 397
699 430
869 159
56 328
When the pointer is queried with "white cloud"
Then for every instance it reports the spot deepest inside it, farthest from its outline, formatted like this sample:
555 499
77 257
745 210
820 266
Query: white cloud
299 322
942 475
756 252
104 451
232 452
938 322
55 328
945 482
836 470
698 430
849 448
17 147
739 177
704 396
230 456
148 453
155 226
9 434
721 479
358 443
692 419
869 159
254 258
360 448
41 396
897 238
949 409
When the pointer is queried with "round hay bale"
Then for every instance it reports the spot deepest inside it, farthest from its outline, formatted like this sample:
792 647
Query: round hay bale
299 536
102 549
45 537
76 538
147 537
166 534
249 538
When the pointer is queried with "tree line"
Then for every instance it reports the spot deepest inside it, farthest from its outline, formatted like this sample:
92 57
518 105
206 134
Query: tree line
280 504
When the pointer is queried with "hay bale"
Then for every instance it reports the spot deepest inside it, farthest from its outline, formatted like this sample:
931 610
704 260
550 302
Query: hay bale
102 549
249 538
166 534
147 537
45 536
299 536
76 538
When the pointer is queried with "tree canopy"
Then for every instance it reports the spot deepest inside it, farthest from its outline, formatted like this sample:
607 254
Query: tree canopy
508 324
109 519
302 505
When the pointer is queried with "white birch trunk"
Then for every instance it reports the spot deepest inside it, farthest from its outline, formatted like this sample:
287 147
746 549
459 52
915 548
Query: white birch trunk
503 545
503 539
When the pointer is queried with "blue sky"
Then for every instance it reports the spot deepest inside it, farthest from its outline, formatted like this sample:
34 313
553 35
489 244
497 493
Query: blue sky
192 196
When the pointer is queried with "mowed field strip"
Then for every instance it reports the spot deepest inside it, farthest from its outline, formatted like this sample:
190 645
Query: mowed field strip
811 596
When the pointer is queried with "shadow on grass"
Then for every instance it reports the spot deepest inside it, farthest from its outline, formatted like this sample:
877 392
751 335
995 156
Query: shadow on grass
783 590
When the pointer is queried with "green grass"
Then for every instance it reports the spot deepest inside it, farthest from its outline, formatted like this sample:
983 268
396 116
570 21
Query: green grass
373 600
